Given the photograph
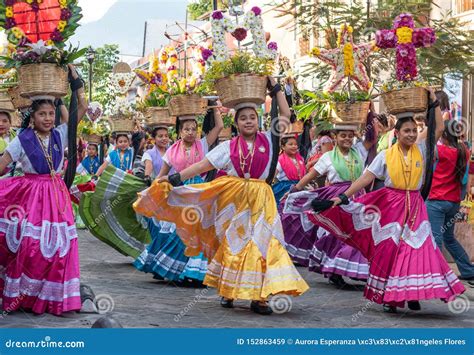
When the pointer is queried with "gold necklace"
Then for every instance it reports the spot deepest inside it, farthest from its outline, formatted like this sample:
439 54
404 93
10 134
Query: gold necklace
242 159
52 171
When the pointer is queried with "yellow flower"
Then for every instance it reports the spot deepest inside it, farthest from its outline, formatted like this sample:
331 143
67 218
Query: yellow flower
62 26
29 1
49 42
404 35
348 59
63 3
9 11
182 84
18 33
315 51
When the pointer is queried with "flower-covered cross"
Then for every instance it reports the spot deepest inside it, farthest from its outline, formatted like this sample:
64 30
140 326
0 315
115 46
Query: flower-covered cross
346 61
405 38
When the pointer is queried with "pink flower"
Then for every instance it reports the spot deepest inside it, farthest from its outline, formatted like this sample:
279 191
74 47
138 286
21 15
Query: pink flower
256 10
217 15
240 34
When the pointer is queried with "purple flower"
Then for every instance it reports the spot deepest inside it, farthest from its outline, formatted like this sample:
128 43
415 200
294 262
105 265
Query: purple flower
9 2
10 23
256 10
273 46
217 15
239 34
35 7
206 53
56 36
385 39
157 79
423 37
404 20
65 14
403 52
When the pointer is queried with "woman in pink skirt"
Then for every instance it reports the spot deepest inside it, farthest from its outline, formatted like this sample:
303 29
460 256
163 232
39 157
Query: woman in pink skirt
391 227
39 262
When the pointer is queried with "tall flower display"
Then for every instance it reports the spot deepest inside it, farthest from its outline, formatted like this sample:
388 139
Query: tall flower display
405 38
346 61
252 22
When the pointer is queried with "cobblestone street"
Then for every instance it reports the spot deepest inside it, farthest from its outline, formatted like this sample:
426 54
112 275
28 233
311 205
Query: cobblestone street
137 301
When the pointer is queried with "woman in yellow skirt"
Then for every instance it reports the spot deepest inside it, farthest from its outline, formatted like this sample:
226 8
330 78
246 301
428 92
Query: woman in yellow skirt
233 220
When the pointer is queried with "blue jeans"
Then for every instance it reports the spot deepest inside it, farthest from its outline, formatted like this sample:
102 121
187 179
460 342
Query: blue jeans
442 216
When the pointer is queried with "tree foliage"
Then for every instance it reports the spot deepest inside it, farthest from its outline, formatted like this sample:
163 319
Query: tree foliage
105 59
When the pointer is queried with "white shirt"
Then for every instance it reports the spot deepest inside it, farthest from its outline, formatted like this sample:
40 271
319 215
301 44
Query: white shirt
18 154
205 149
379 166
324 165
219 157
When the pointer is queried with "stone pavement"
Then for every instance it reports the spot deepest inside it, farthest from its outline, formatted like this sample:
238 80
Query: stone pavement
137 301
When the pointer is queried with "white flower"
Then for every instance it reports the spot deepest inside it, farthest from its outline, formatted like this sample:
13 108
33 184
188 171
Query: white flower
40 47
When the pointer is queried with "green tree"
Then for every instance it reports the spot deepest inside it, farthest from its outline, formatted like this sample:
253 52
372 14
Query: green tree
452 53
198 8
105 59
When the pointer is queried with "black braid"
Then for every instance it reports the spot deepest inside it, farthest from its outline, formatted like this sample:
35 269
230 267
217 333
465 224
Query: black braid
275 141
430 152
72 143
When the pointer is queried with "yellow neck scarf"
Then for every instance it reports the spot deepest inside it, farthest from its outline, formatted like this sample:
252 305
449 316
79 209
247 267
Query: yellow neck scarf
405 174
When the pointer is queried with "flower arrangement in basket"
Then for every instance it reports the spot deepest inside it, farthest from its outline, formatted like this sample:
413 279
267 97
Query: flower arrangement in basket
408 95
349 106
155 103
123 113
92 132
39 29
240 76
184 92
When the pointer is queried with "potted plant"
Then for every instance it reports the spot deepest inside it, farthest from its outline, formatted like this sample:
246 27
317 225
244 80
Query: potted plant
240 77
185 97
40 57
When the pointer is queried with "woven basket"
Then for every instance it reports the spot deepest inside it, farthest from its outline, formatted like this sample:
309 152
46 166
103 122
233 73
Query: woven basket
42 79
92 138
187 105
406 100
121 67
236 89
16 120
122 124
18 102
159 116
351 113
225 133
6 102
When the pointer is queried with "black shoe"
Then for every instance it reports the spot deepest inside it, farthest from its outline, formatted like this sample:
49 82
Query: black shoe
414 305
468 280
389 309
263 309
337 281
227 303
158 277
